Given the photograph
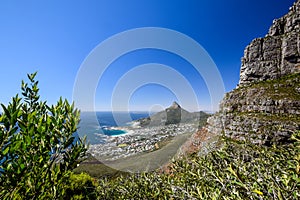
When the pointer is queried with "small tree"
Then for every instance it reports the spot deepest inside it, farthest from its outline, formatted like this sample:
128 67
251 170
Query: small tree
38 147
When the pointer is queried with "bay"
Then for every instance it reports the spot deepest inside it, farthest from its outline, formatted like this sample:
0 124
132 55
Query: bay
97 126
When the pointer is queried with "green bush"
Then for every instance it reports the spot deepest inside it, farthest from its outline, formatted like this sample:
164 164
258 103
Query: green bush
37 145
81 186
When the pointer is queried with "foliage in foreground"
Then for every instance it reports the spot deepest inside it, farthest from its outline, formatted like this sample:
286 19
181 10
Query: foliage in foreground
37 145
38 152
236 171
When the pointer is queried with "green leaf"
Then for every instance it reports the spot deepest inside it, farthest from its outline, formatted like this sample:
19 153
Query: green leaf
28 139
31 76
69 142
6 150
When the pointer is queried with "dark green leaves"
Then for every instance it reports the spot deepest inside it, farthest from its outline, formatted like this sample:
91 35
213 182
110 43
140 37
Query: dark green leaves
37 149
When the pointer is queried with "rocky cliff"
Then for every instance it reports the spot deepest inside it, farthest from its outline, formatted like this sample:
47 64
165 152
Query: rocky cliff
277 54
265 107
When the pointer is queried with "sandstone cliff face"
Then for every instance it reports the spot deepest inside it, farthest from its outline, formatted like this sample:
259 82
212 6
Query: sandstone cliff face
265 107
277 54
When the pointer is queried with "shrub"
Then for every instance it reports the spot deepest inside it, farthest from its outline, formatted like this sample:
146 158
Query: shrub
81 186
38 147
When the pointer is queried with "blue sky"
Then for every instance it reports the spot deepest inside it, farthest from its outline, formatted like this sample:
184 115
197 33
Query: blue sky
55 37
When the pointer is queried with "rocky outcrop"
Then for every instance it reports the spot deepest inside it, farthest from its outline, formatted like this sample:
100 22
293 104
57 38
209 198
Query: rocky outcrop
264 112
277 54
174 114
265 107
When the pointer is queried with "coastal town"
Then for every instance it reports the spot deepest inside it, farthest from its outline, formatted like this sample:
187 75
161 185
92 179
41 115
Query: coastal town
138 140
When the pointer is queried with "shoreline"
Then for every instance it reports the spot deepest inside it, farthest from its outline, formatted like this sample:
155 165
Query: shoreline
137 140
120 128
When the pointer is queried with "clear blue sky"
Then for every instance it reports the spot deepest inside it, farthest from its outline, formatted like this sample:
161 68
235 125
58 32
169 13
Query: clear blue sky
54 37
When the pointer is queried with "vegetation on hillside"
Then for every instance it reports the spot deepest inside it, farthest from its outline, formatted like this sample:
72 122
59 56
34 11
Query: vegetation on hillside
284 87
235 171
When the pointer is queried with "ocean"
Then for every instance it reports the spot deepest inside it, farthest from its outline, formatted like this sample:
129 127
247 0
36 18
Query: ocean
98 125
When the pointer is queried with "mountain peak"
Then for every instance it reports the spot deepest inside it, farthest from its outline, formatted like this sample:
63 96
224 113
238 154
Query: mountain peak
174 114
175 105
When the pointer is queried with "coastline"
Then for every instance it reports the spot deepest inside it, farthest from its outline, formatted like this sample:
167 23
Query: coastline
143 161
150 142
124 131
138 140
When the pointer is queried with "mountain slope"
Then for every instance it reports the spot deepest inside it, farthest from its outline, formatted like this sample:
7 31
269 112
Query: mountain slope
173 115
